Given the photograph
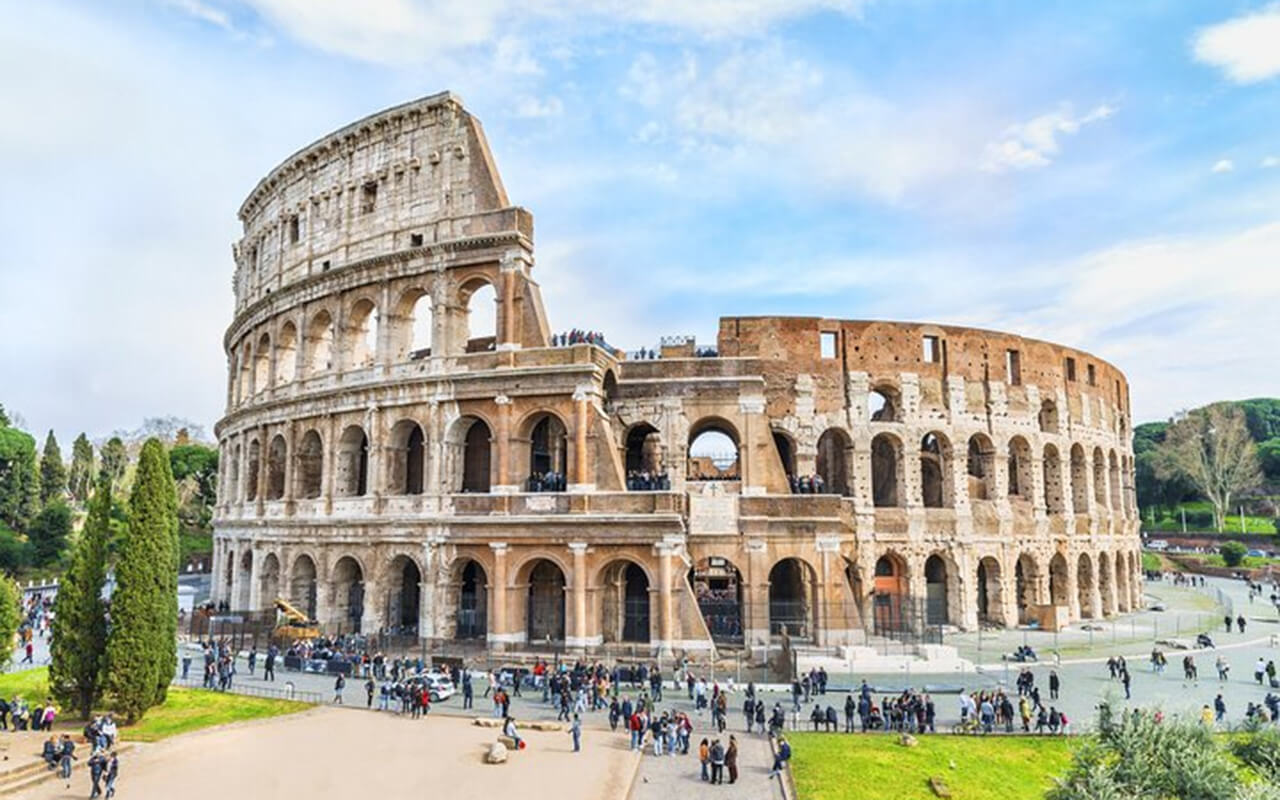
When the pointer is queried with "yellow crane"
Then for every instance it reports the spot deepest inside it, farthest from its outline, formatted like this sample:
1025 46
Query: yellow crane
296 625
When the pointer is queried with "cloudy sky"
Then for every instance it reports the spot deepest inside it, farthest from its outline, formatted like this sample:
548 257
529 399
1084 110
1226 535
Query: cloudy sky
1101 174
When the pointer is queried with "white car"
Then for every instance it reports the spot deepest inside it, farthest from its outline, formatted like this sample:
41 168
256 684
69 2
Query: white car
439 687
1158 545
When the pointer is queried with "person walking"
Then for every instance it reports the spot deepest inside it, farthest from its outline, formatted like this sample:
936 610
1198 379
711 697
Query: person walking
66 754
1227 621
97 766
1124 678
704 757
1259 669
338 686
269 668
575 730
369 688
113 772
731 759
1240 622
1219 708
1054 684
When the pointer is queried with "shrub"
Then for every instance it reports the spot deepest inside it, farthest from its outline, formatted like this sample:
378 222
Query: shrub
1233 553
1200 520
1259 747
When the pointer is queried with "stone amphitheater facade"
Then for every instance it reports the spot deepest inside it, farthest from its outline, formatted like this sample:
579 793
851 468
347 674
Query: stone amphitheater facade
377 453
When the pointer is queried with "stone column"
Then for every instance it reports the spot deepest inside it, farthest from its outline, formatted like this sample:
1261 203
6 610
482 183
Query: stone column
328 463
498 634
376 480
1037 486
427 593
582 475
255 588
435 447
264 457
502 454
1073 588
234 599
666 629
752 409
371 615
579 638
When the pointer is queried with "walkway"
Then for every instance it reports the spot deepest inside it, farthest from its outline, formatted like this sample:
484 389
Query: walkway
670 777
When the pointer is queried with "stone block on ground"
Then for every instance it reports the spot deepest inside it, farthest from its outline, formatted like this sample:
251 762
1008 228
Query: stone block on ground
497 754
487 722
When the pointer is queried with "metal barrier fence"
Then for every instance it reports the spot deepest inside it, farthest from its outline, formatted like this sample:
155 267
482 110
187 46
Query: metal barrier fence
285 692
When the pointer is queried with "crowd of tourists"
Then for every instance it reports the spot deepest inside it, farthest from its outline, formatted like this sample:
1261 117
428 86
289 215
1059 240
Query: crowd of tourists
578 336
807 484
550 481
645 481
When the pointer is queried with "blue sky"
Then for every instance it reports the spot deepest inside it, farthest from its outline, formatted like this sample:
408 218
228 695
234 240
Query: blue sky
1106 175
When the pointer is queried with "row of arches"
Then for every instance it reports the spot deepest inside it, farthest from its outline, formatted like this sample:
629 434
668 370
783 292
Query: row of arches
323 342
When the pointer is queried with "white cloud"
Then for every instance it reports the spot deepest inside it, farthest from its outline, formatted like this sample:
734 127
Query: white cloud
203 12
533 108
512 55
1034 144
1223 165
1270 162
1245 48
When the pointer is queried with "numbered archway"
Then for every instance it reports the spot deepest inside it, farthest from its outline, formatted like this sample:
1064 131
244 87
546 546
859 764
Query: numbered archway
404 592
545 609
624 603
990 597
471 603
302 585
717 585
792 599
347 587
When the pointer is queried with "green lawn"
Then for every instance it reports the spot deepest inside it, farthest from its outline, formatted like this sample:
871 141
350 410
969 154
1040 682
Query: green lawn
1231 524
871 767
184 710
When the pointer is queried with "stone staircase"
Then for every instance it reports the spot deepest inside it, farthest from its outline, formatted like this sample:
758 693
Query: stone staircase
27 769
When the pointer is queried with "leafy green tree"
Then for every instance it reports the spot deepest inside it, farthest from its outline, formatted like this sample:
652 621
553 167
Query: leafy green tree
142 645
1269 457
53 472
115 460
4 417
19 478
200 462
80 477
10 617
49 533
1210 447
1233 553
78 647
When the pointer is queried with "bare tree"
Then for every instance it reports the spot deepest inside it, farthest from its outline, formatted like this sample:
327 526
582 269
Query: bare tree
1211 448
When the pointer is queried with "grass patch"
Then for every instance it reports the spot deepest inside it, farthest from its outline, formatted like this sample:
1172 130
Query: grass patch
184 710
1216 560
871 767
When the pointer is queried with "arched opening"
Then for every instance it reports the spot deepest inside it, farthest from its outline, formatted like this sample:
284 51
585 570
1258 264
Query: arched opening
404 592
548 455
277 457
1122 583
624 595
286 354
787 455
935 466
347 607
353 463
713 451
885 460
791 599
1117 499
833 461
262 365
233 477
244 376
1059 581
546 602
361 336
242 603
481 302
1054 500
890 610
717 585
1079 481
228 578
1021 482
413 330
406 458
255 463
269 580
310 465
644 459
1048 417
318 353
884 404
302 585
981 468
1026 576
990 599
936 594
1099 478
1084 586
476 442
1105 587
609 388
472 602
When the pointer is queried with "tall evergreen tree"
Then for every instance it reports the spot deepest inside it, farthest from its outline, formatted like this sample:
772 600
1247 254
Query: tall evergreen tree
53 472
19 478
10 617
142 646
80 478
49 532
115 459
78 648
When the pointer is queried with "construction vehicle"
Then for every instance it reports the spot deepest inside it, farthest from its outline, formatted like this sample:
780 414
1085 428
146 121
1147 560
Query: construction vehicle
296 625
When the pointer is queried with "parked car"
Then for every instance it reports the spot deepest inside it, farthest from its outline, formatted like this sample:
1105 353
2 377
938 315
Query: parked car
1159 545
1256 553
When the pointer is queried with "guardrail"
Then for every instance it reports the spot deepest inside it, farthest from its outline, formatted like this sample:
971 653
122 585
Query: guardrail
286 691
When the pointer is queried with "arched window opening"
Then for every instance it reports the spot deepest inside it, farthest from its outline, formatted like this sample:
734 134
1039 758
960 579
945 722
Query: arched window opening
348 594
362 335
302 586
269 580
475 457
548 453
890 610
981 468
472 603
1059 581
791 598
1117 498
1104 585
1021 484
1054 499
885 458
277 458
245 377
482 318
935 462
1085 587
403 596
233 484
1048 417
1079 481
242 603
310 465
625 600
1026 574
546 603
833 462
286 354
644 460
990 608
786 455
883 404
262 365
353 463
251 480
319 345
935 581
1099 478
713 452
420 324
717 585
609 388
406 458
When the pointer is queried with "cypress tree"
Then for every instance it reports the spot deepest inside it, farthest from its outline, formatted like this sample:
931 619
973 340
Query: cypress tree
53 473
19 478
142 646
115 459
10 617
80 477
79 641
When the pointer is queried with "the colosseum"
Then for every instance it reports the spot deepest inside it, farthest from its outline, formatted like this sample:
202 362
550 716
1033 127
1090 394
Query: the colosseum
390 466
